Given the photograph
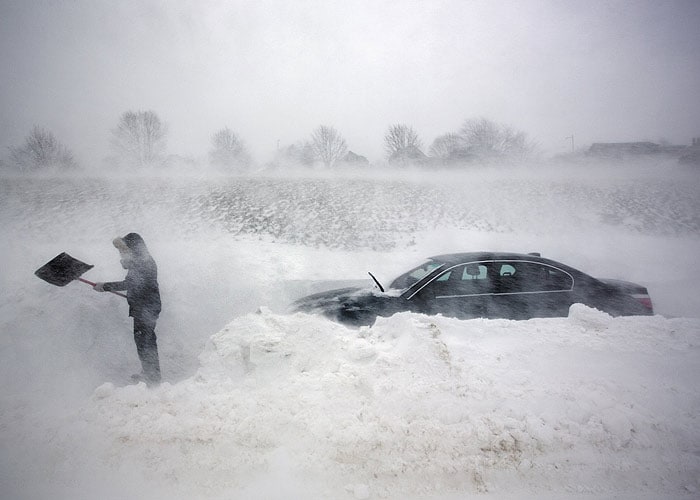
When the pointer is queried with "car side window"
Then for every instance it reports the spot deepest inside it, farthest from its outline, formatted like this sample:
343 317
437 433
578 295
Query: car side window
556 279
509 278
506 270
474 272
517 277
465 279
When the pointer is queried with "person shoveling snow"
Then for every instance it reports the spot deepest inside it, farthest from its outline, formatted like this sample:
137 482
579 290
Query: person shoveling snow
143 296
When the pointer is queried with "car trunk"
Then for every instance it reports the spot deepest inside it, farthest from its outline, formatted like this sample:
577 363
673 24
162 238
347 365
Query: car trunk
634 290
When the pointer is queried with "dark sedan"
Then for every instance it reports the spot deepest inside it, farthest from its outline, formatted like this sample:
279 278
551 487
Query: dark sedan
482 285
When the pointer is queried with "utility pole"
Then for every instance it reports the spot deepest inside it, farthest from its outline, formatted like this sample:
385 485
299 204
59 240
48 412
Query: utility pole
572 141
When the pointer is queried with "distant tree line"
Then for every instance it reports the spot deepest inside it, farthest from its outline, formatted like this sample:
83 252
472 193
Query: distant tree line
139 142
478 141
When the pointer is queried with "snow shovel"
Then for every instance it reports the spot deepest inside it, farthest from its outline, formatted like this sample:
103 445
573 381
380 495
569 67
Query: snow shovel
63 269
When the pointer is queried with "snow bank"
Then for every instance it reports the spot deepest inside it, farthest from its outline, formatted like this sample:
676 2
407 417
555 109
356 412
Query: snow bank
299 407
276 406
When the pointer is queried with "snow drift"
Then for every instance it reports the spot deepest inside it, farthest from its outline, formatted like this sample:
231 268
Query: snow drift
270 405
298 407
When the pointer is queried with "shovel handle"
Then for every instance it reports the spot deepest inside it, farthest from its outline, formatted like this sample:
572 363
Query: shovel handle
93 284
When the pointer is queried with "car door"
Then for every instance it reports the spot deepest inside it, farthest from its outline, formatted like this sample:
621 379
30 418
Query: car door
459 291
530 289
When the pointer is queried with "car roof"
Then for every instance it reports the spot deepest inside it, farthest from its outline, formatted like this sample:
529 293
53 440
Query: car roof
460 258
456 258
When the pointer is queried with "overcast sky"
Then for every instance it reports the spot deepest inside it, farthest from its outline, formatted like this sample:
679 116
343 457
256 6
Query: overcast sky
275 70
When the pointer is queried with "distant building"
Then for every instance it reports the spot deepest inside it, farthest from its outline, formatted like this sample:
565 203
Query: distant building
355 160
626 150
691 156
622 149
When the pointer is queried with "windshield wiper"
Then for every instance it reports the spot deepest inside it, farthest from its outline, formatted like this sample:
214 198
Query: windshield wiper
381 288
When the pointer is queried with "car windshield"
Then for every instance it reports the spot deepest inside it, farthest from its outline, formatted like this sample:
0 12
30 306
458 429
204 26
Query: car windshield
407 279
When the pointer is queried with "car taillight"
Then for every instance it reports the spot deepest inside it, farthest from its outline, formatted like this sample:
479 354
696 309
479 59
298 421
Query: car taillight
645 300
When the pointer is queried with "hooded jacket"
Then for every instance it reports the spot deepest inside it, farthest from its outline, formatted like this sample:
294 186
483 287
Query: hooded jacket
141 281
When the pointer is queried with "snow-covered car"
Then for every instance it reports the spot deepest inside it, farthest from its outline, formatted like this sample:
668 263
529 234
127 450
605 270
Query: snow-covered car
481 285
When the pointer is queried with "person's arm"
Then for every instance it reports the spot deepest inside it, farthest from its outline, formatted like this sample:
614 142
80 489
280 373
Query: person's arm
112 286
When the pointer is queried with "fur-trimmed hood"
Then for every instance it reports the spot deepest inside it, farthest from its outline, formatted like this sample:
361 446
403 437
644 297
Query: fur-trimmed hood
132 244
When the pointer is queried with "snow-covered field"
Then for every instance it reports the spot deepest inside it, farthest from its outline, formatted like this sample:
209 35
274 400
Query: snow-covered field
263 404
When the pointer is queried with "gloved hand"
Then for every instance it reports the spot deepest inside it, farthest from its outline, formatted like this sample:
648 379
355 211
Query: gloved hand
99 287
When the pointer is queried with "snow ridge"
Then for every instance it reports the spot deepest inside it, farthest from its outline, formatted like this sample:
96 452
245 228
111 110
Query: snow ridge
417 406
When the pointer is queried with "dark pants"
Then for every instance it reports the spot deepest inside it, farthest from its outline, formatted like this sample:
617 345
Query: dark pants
145 338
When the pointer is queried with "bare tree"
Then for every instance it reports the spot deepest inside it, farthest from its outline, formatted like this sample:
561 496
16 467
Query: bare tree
481 136
140 138
402 146
41 150
228 150
328 145
516 144
446 146
489 140
400 139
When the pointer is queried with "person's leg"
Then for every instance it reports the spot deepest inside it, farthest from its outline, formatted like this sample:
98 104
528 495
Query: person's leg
147 348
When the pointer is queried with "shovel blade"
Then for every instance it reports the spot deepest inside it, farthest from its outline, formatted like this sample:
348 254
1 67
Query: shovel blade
62 269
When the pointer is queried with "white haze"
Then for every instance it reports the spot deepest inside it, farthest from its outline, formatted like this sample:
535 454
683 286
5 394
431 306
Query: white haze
261 404
274 70
258 403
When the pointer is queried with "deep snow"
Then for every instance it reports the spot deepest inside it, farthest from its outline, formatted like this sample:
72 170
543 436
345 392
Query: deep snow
259 403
